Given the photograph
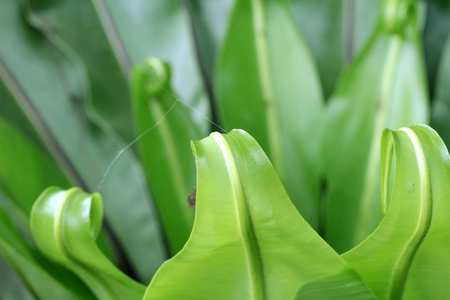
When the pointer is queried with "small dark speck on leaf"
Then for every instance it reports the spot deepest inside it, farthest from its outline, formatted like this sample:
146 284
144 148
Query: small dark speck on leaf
191 199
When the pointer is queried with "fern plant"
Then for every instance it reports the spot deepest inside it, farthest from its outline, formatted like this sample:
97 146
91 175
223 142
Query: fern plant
107 95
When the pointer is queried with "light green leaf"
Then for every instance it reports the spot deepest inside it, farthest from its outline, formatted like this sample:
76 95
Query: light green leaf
407 255
43 278
429 273
166 126
248 240
267 84
384 87
17 154
64 225
43 77
339 286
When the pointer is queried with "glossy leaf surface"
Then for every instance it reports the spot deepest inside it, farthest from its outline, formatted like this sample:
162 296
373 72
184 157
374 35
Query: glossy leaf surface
407 255
248 241
166 126
65 225
17 154
43 77
273 93
44 279
337 286
384 87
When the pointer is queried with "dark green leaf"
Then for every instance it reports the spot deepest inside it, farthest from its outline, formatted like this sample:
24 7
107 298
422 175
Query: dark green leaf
384 87
436 31
208 24
335 30
441 108
11 286
121 34
17 154
37 70
326 39
166 126
273 92
65 225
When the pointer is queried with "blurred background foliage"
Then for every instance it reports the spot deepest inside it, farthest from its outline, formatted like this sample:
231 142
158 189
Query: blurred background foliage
67 110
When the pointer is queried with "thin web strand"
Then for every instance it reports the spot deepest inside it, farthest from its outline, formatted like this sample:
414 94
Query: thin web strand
100 185
119 154
199 113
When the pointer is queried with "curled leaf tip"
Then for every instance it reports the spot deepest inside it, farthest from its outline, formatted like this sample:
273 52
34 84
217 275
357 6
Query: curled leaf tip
65 224
396 14
156 76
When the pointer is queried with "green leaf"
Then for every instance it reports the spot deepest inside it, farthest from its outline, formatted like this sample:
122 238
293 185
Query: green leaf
428 275
208 25
12 114
64 225
384 87
273 93
208 22
441 108
338 286
165 127
364 17
11 286
248 240
41 171
334 30
43 77
42 277
407 255
325 39
435 35
17 153
121 34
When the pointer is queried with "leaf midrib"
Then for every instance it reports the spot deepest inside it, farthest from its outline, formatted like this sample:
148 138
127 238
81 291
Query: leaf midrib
253 251
406 258
268 92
